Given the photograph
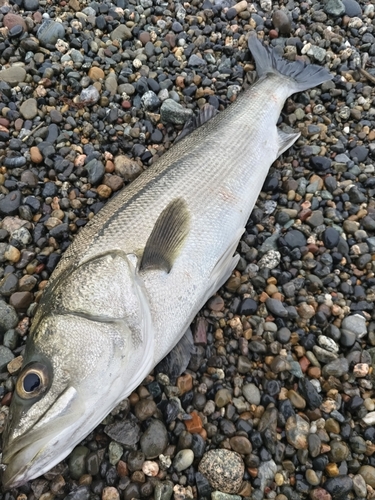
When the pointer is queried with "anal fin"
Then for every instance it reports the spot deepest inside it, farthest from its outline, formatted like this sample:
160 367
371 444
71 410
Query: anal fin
286 140
167 237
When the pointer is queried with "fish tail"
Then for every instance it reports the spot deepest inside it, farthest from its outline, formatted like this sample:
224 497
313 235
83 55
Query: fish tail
303 76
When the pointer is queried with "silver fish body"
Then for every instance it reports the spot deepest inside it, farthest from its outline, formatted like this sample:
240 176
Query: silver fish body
133 279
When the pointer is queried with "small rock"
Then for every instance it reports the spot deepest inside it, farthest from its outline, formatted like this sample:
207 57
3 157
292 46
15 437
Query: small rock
183 460
154 439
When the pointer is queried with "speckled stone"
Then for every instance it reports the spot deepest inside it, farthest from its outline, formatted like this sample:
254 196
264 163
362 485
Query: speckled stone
224 470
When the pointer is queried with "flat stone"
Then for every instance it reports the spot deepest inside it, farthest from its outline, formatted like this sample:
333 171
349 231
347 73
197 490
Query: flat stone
13 75
29 109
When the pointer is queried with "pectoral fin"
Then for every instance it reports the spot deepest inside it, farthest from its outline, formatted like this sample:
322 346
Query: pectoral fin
167 238
286 140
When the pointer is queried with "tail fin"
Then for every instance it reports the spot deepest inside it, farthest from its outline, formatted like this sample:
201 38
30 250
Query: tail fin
305 76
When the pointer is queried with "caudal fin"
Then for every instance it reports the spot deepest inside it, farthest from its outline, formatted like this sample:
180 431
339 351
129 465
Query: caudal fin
304 76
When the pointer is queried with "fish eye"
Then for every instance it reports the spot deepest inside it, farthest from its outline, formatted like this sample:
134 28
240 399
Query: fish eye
32 381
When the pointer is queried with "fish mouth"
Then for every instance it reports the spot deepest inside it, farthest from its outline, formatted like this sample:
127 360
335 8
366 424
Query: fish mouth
22 463
40 448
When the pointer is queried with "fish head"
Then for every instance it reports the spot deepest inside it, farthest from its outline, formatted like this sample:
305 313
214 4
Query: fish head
57 396
91 344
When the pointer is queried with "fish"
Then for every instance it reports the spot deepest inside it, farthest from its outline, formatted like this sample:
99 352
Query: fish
131 282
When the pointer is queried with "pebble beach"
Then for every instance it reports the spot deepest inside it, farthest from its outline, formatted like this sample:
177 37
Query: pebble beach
278 400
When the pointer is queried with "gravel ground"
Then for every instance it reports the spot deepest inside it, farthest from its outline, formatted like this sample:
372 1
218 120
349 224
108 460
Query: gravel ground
278 400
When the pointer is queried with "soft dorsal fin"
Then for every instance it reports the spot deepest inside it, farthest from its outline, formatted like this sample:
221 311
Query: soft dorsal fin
167 237
205 114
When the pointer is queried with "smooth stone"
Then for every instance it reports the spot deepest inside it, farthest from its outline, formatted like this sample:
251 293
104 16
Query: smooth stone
368 474
49 32
154 439
339 451
95 171
163 490
10 203
183 460
13 75
295 239
355 324
251 393
122 32
77 461
276 308
223 397
330 237
8 317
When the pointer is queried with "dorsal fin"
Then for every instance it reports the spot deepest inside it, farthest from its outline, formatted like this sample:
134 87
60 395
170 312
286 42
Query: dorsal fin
205 114
167 237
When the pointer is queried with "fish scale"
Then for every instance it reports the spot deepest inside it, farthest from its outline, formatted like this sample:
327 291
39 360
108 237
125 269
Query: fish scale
133 279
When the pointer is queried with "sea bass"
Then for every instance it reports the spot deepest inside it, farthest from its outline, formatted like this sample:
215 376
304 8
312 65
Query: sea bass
129 285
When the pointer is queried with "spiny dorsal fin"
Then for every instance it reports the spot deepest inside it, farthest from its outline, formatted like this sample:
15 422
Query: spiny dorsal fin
166 239
205 114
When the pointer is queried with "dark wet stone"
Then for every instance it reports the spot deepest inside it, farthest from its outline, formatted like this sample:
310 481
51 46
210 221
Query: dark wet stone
8 285
352 8
313 398
334 8
276 307
10 203
203 486
359 152
49 189
135 460
247 307
95 171
77 461
339 486
320 163
49 32
81 493
336 368
31 5
126 432
281 22
295 239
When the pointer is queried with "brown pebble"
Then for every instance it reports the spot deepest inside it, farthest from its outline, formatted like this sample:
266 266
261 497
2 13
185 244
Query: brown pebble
320 494
122 468
195 424
110 493
96 73
14 365
21 300
332 470
185 383
216 303
104 191
115 182
10 20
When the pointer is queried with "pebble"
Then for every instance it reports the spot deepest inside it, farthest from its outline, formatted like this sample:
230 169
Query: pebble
224 470
297 430
154 440
368 474
252 394
183 460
